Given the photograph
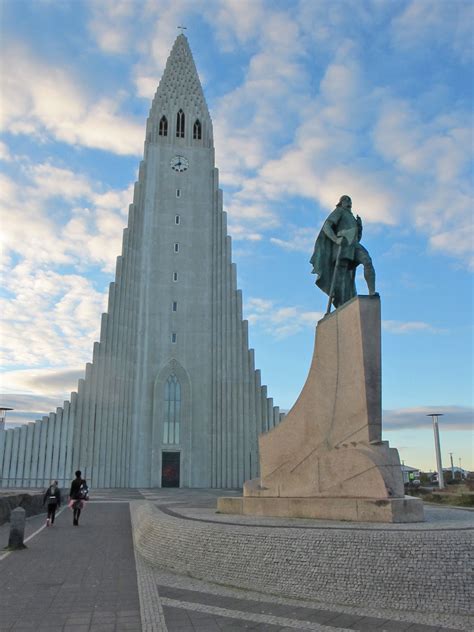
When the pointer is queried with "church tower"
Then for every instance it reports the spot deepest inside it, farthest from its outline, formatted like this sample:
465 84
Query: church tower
172 397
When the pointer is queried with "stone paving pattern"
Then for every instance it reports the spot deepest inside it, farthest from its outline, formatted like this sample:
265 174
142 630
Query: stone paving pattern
387 568
90 579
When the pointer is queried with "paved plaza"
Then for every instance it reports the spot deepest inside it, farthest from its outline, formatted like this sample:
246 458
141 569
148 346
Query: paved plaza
89 578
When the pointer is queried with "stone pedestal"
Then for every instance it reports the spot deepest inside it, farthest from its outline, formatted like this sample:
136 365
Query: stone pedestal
327 459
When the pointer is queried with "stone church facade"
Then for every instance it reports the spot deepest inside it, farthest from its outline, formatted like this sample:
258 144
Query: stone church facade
172 396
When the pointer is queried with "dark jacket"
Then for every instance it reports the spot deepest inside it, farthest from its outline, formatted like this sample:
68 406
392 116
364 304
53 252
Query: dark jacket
52 496
76 485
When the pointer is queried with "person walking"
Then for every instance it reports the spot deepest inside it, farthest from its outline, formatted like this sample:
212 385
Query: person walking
52 496
77 495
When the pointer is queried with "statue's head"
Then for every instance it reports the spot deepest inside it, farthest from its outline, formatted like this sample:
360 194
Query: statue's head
345 201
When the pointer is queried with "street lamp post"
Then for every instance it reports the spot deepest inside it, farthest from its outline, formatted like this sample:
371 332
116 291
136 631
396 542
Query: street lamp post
3 414
439 465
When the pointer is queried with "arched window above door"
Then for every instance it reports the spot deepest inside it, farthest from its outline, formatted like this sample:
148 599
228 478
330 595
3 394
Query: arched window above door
172 412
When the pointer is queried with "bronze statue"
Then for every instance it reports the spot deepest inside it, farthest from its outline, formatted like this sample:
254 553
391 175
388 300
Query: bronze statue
337 253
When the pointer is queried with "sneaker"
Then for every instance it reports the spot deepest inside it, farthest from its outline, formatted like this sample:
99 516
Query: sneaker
47 522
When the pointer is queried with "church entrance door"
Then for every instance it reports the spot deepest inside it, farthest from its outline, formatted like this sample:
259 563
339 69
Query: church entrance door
170 462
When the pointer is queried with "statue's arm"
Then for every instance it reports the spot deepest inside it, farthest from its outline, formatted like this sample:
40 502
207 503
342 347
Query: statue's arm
329 226
359 228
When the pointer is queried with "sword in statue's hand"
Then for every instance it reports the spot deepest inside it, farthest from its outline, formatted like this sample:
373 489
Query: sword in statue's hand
349 235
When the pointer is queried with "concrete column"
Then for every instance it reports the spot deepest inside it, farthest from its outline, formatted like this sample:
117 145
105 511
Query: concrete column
35 453
57 444
215 332
48 464
228 368
71 437
122 355
78 428
14 457
7 456
104 352
252 417
258 410
246 399
223 361
134 237
3 434
276 416
21 457
30 430
234 434
240 389
115 378
86 420
219 351
264 409
269 413
134 252
108 388
63 442
92 417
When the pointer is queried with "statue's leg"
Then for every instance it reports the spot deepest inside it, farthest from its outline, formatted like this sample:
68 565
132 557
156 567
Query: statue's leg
344 287
363 257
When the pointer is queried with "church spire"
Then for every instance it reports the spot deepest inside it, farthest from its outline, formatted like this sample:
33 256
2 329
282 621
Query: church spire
179 111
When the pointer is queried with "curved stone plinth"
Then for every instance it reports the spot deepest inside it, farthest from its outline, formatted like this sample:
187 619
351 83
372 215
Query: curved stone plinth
327 455
398 567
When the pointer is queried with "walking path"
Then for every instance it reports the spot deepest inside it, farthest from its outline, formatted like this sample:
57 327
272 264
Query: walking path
88 579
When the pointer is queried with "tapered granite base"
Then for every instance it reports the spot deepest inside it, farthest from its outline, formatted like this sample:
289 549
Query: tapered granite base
327 459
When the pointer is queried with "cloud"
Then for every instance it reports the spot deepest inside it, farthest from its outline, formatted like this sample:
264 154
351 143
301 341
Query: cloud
49 102
18 385
454 418
430 23
50 319
87 230
299 239
400 327
279 321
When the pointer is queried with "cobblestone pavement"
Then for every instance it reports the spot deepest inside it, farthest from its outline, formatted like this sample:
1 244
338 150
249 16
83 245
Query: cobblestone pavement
87 579
193 605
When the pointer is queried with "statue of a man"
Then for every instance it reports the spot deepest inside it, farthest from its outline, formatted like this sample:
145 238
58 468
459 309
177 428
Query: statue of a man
337 253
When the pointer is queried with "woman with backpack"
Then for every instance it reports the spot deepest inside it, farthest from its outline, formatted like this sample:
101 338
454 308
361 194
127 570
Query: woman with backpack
52 496
78 494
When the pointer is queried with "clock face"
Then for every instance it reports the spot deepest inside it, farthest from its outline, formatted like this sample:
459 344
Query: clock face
179 163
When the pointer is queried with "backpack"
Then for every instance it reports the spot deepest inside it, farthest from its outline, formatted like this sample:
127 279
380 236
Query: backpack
83 491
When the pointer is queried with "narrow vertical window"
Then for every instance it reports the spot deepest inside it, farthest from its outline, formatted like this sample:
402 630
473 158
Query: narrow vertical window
177 219
176 247
178 192
175 306
172 416
180 124
175 276
173 337
197 130
163 129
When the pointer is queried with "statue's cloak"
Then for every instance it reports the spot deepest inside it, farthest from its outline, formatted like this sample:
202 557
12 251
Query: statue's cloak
323 259
343 223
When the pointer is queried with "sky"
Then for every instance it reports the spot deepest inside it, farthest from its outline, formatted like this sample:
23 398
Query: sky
310 100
